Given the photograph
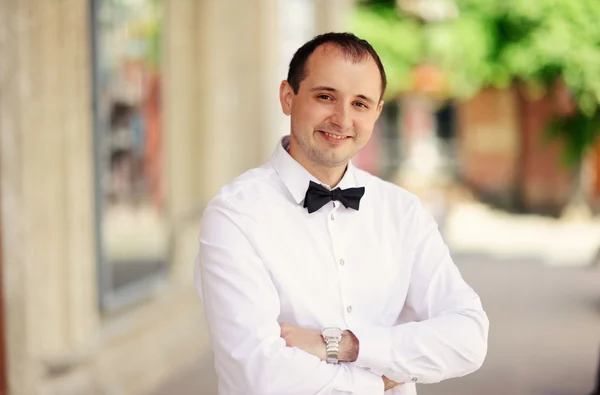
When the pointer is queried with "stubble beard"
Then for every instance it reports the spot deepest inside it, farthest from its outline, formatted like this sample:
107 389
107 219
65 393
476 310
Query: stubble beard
316 155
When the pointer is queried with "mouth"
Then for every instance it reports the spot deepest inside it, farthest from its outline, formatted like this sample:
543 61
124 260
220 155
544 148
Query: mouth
334 136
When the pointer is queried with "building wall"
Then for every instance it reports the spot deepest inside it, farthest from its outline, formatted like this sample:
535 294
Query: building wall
593 171
504 155
547 185
489 145
221 116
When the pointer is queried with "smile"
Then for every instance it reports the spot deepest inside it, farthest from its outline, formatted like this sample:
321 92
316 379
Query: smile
334 136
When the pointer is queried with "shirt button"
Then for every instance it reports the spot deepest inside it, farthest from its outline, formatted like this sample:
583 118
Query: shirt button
342 262
414 379
349 309
332 217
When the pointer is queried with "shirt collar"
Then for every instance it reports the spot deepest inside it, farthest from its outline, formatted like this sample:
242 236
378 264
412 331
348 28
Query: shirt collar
296 178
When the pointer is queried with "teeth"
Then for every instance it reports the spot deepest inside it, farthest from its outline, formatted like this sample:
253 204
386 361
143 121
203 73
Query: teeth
333 136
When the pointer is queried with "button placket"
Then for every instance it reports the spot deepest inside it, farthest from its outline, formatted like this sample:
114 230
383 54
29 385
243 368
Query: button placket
340 262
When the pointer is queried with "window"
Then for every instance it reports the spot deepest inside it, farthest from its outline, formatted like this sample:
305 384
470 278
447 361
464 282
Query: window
132 232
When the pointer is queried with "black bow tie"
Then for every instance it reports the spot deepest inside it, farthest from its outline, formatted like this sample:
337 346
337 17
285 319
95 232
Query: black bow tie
317 196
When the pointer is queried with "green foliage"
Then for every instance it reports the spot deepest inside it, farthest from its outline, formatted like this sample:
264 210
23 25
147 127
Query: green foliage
398 42
579 132
494 43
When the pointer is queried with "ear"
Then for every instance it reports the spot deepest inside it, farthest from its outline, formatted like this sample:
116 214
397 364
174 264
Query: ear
286 97
379 108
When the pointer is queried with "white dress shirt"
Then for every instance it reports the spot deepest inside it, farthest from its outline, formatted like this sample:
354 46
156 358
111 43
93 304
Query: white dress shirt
382 272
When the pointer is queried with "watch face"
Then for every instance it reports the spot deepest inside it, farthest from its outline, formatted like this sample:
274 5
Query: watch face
332 332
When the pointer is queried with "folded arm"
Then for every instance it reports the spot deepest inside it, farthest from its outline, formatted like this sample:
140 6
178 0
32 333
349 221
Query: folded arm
242 306
448 333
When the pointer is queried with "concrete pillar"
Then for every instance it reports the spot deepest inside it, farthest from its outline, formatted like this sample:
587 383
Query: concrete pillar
218 100
76 125
180 105
47 189
333 15
235 61
12 89
273 70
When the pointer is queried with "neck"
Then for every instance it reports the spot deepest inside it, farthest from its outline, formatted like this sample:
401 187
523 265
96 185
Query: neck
328 175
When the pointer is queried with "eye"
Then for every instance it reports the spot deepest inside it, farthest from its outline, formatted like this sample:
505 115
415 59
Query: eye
324 97
361 104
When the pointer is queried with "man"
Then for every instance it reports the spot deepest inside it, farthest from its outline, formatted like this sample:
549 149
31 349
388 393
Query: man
319 278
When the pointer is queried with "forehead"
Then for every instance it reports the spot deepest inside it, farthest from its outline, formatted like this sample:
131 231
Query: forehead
329 66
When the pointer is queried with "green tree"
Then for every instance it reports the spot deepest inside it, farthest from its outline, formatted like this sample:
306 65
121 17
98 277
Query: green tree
495 43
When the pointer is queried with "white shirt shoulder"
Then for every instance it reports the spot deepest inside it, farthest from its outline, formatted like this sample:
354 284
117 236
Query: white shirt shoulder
252 192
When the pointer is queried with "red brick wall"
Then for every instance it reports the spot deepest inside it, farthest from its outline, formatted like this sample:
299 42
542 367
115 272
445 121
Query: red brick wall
489 145
503 156
546 185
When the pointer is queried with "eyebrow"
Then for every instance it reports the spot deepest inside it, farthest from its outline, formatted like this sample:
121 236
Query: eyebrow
330 89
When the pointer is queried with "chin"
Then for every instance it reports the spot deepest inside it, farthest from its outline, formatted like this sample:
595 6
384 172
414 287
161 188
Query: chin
338 160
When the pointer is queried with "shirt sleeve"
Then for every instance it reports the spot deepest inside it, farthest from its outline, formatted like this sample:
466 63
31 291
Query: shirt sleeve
242 305
448 329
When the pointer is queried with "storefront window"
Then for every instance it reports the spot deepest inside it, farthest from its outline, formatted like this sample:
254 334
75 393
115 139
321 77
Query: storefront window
132 236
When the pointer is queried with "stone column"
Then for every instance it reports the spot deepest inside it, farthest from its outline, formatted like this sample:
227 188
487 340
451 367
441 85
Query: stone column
47 190
333 15
181 64
272 123
21 376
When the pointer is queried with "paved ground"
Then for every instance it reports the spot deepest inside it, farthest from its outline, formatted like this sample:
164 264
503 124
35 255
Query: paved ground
544 338
545 330
572 240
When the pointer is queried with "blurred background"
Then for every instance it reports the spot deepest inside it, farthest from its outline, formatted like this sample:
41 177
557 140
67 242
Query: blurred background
120 119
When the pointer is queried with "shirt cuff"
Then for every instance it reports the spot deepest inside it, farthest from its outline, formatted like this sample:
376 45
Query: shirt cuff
365 382
374 348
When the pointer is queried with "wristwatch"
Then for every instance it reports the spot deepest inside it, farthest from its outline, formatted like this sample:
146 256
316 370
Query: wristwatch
332 337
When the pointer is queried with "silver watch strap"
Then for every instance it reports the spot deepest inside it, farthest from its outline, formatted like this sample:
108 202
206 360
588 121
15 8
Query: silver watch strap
333 350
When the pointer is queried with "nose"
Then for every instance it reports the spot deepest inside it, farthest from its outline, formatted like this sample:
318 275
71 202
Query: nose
341 117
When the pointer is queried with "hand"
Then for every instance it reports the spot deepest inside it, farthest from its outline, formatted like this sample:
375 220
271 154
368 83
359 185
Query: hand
389 384
312 342
305 339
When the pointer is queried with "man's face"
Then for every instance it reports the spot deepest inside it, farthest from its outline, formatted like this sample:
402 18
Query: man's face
334 112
